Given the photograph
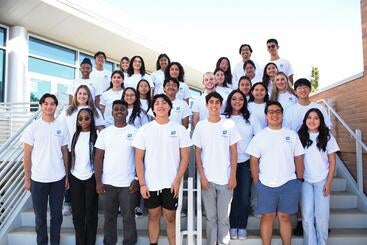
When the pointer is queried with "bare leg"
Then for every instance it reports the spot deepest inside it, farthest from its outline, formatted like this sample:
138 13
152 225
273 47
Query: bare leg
266 228
153 224
170 217
285 228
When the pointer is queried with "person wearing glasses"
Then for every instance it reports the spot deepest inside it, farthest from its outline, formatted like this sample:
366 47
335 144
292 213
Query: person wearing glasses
277 177
282 64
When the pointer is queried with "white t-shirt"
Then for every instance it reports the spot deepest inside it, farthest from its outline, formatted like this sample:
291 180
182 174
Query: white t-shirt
247 131
83 169
162 144
238 72
293 118
133 80
276 150
70 121
258 110
140 120
144 104
199 105
287 99
89 82
224 92
107 99
102 80
158 79
284 66
316 161
179 111
119 157
215 140
183 91
46 139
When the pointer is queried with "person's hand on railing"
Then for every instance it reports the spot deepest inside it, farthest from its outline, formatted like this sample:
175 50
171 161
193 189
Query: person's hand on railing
175 188
100 188
232 183
27 184
144 191
204 182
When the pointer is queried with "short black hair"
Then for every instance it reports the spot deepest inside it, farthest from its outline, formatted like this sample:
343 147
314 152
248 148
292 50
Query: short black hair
272 102
165 98
86 61
171 79
119 102
272 40
215 95
248 62
302 82
100 53
245 45
48 95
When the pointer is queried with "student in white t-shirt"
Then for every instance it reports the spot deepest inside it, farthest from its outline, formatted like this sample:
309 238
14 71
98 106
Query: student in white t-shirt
224 64
257 102
199 110
84 198
320 162
283 92
221 86
270 70
136 72
176 70
82 99
115 175
247 126
114 92
277 171
100 75
215 141
45 166
250 70
162 155
244 85
124 65
144 94
294 115
282 64
158 76
136 115
85 70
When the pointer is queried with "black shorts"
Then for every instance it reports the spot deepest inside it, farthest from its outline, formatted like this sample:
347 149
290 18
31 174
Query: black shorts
162 198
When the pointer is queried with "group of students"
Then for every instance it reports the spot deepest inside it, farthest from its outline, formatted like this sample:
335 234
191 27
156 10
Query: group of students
125 134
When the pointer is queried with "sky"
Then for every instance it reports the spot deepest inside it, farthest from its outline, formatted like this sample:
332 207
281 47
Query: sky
326 33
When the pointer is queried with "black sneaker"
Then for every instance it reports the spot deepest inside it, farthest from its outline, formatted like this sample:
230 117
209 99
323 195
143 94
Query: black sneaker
138 212
299 229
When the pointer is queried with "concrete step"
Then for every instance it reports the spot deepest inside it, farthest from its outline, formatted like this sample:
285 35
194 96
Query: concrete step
339 184
339 218
27 235
343 199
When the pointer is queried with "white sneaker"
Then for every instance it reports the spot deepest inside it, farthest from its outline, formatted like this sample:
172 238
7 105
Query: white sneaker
66 210
233 234
138 212
242 234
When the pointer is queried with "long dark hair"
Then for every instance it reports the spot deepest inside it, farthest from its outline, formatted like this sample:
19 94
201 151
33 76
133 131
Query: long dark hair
252 98
149 97
136 107
157 65
181 74
229 110
225 77
324 131
228 73
92 137
130 71
266 77
122 76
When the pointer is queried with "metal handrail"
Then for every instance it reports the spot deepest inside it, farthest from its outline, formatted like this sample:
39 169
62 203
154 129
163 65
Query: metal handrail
359 145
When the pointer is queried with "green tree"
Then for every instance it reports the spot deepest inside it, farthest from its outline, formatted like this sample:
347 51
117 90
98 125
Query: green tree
315 78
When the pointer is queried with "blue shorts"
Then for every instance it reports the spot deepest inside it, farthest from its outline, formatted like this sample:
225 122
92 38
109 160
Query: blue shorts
278 199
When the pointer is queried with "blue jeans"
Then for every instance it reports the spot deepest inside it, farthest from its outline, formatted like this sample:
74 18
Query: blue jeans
315 213
53 193
241 197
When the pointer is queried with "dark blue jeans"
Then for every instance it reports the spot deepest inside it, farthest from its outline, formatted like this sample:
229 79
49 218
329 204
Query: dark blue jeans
53 193
241 197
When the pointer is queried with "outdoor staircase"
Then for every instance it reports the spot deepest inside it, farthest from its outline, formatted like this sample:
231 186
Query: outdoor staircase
348 224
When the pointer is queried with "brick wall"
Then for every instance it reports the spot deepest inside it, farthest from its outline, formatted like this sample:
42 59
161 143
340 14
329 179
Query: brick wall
350 101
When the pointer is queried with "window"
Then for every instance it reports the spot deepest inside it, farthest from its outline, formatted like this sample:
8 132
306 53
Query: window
51 51
2 74
50 68
2 36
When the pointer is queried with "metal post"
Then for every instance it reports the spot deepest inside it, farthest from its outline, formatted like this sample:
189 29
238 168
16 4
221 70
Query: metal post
359 161
190 211
199 235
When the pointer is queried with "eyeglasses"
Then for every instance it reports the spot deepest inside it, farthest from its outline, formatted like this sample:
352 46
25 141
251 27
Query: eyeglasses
271 46
83 118
276 112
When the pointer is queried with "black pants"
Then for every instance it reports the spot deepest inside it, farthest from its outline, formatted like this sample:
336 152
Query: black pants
84 203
